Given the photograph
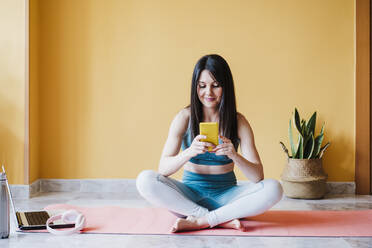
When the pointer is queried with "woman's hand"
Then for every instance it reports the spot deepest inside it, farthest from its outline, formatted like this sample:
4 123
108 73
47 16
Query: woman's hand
226 148
199 147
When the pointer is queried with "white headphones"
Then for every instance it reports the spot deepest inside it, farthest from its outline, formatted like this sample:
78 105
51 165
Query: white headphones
69 217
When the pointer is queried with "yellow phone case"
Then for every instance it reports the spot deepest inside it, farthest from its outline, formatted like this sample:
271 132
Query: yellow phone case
209 129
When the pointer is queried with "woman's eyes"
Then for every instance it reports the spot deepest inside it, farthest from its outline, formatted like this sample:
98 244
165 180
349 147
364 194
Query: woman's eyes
214 85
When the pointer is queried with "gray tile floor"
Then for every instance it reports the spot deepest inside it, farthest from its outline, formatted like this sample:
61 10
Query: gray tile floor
39 240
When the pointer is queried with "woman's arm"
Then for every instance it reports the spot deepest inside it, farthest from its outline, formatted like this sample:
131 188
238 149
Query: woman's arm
171 161
249 162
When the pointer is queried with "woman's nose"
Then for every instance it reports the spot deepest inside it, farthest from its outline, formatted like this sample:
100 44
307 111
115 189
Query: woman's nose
209 89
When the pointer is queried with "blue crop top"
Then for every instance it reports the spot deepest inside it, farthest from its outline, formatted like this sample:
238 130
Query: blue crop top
208 158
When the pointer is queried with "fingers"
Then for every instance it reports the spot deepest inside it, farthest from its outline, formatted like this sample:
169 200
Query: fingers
207 144
203 143
204 146
224 149
224 139
200 147
221 146
201 150
222 152
199 137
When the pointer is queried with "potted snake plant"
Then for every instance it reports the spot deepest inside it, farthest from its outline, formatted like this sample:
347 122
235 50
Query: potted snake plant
303 176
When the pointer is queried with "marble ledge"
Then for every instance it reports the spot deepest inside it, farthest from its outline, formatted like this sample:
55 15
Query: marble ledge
125 186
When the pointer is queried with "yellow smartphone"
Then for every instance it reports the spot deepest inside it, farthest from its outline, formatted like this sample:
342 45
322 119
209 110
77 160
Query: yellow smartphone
209 129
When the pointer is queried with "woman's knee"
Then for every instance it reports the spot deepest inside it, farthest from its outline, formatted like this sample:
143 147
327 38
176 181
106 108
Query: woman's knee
273 188
145 181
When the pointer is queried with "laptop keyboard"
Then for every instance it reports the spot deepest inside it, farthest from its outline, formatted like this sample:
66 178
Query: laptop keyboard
37 218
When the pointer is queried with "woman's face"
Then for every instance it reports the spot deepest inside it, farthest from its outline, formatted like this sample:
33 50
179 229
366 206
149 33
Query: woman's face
209 90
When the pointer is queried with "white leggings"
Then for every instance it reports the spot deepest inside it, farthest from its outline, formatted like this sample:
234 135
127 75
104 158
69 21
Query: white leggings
234 202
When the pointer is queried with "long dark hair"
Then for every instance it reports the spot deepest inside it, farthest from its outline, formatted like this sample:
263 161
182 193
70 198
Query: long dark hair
227 107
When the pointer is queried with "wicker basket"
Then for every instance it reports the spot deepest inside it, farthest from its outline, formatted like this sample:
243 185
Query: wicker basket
304 179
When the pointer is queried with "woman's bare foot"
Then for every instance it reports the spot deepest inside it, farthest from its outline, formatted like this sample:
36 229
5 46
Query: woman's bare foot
233 224
189 224
191 218
193 223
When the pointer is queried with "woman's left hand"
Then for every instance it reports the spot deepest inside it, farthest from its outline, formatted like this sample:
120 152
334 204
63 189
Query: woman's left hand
226 148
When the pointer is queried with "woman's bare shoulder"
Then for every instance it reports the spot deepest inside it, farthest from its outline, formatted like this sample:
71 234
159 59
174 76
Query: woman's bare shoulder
244 128
241 119
184 114
181 121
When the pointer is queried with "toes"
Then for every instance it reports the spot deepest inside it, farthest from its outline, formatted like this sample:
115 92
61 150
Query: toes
243 228
238 225
175 226
191 218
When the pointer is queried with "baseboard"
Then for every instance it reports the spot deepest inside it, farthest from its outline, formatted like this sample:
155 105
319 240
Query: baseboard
337 188
125 186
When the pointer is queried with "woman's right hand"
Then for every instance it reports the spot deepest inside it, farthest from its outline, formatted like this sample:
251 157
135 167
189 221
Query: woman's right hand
199 147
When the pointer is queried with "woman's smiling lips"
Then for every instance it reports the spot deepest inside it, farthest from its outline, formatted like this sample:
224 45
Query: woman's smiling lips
210 99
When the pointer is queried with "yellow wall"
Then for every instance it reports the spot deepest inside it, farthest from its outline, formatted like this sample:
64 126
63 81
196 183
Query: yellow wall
12 88
113 74
34 90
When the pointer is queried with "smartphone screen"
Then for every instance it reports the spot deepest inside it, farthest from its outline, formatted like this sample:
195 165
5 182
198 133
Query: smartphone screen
209 129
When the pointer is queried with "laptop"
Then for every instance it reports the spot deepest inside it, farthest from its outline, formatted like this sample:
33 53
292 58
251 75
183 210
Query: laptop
35 220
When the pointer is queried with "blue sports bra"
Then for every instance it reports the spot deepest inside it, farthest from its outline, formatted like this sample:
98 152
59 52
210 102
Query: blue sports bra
208 158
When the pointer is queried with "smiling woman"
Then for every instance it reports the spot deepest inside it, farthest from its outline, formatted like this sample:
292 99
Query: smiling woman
208 195
209 90
212 79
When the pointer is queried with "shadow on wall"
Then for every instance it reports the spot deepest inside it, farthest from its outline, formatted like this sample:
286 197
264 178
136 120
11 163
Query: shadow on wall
339 155
12 140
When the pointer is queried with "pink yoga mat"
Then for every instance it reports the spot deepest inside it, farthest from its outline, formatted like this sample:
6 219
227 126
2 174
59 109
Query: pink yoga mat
117 220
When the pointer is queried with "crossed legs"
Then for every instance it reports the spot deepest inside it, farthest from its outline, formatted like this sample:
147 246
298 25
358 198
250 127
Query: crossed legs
248 200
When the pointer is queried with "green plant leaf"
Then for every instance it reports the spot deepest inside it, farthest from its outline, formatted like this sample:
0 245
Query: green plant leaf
318 143
291 138
323 149
284 149
297 120
309 147
303 129
296 154
305 142
300 148
311 123
306 137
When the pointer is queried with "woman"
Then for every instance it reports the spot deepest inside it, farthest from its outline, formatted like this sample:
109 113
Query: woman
208 195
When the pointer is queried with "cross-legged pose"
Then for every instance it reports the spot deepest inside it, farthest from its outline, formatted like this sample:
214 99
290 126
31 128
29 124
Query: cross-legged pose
208 195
